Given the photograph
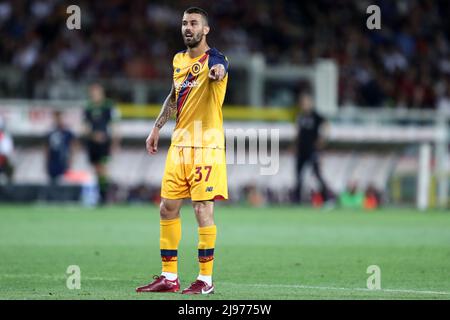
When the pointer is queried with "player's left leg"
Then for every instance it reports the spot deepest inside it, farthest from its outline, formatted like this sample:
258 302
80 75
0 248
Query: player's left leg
102 170
207 178
102 180
317 172
99 157
207 231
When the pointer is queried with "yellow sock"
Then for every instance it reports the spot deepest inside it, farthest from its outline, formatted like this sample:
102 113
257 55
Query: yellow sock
206 243
170 235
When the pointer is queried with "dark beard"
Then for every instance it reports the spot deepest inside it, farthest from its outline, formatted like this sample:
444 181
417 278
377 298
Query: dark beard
195 41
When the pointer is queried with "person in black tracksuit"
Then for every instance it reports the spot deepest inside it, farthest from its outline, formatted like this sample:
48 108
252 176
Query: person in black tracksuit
309 141
100 116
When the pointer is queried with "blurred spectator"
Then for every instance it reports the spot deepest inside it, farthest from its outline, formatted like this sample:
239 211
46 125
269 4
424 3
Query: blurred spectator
59 149
253 196
310 130
351 198
6 152
137 39
316 199
371 198
143 194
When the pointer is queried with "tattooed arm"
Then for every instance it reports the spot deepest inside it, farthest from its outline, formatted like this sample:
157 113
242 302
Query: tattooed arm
168 109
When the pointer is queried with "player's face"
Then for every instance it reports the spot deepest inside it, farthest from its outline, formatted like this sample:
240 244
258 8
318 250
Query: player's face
193 29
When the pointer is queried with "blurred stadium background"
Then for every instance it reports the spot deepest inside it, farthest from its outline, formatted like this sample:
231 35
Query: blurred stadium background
385 92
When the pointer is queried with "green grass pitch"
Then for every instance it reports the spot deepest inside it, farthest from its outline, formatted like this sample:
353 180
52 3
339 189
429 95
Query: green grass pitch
266 253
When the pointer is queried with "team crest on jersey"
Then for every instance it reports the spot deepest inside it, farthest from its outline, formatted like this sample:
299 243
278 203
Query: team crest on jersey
195 69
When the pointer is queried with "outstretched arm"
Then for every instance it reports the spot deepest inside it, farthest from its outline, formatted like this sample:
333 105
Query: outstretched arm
218 65
168 109
217 72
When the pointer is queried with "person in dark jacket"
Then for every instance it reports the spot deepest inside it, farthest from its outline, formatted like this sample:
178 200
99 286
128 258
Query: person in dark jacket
310 127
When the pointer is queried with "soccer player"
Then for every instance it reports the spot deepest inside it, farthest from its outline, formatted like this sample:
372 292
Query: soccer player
195 166
101 134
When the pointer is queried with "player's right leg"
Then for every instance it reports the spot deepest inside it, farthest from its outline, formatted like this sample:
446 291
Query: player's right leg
98 157
207 231
102 181
170 235
297 196
174 189
317 172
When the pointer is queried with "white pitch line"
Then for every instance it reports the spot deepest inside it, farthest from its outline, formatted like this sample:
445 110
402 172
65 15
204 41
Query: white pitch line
261 285
298 286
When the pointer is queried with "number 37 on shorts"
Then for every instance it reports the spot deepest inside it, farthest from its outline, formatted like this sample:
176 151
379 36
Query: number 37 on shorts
196 173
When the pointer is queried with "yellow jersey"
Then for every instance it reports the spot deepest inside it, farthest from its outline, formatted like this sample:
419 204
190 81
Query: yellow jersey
199 121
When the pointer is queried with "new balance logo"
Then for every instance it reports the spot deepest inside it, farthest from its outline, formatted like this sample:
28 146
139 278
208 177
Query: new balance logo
209 189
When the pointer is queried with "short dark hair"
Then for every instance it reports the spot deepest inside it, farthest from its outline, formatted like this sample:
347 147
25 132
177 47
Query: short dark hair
198 10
